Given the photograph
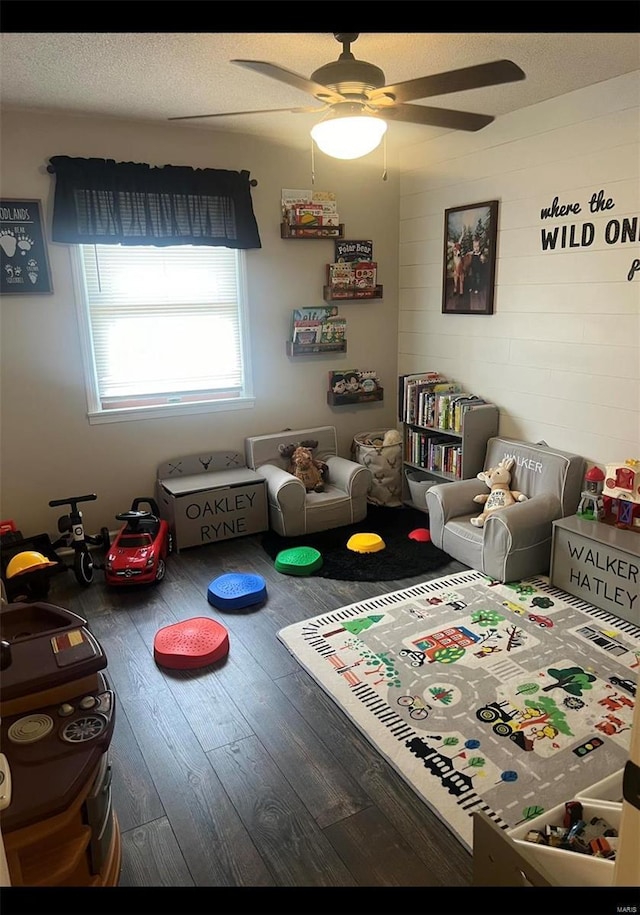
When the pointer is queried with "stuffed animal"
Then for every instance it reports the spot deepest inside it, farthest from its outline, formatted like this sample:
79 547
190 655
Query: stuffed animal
302 464
392 437
497 479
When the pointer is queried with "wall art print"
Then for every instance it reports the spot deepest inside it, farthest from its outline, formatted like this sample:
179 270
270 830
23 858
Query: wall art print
469 258
24 262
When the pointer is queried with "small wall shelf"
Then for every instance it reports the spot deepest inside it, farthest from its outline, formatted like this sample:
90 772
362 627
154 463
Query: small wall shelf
289 231
315 349
342 400
351 295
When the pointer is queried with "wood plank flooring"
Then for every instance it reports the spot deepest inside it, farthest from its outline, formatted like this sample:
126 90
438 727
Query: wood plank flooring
247 774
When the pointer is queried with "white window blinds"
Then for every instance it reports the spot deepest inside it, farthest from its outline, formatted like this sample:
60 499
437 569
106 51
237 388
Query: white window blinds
165 324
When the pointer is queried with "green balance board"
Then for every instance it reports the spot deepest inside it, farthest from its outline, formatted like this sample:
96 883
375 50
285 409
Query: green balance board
299 560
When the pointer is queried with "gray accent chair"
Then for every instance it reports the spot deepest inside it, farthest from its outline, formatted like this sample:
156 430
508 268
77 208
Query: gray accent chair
515 542
292 510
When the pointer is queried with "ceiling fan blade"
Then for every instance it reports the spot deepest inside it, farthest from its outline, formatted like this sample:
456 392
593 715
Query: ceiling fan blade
437 117
323 93
227 114
490 74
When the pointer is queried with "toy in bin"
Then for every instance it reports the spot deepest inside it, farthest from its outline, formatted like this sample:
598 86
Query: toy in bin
589 837
140 548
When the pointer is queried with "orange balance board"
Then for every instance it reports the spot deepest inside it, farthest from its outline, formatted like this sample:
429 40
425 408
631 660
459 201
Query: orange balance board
191 643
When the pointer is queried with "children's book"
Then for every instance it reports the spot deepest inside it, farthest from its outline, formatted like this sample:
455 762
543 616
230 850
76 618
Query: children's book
352 251
340 276
333 330
309 334
314 314
364 274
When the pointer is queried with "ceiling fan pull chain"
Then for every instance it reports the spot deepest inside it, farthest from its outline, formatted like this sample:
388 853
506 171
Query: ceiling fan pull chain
313 166
384 157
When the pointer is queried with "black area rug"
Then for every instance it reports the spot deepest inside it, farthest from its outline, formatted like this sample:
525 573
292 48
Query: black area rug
401 558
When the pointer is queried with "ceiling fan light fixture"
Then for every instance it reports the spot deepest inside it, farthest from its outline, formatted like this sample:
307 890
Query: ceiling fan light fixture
348 135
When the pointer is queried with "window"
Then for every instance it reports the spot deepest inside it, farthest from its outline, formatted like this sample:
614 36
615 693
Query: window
164 330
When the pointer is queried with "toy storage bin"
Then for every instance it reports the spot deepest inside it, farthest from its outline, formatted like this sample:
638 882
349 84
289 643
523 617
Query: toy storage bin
419 482
571 868
607 789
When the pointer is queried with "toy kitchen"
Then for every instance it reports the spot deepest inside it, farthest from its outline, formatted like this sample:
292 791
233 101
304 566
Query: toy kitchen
57 718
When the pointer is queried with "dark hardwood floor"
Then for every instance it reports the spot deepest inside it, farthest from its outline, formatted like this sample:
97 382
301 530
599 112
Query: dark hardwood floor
246 774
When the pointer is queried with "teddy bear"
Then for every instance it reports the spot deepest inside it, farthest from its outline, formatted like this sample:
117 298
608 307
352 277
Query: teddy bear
498 480
302 464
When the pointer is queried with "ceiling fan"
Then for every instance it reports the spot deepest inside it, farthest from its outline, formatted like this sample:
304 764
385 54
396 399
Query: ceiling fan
348 87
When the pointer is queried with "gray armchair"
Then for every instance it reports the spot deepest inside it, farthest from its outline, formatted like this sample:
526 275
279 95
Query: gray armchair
515 542
292 510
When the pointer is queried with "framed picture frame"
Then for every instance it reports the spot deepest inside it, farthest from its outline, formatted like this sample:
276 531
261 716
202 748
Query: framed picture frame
24 260
469 258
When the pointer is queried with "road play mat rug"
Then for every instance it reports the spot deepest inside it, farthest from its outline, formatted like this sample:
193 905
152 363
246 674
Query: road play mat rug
505 698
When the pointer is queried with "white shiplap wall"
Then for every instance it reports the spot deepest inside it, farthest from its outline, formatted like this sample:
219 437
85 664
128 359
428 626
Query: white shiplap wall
560 356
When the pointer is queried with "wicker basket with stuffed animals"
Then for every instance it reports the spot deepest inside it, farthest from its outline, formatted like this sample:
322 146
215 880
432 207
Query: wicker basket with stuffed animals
381 453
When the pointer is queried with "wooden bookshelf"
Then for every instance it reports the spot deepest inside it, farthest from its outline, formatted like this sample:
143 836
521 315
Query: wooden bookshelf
315 349
324 232
351 295
342 400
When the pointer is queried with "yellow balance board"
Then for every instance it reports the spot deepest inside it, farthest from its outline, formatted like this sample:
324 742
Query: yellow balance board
365 543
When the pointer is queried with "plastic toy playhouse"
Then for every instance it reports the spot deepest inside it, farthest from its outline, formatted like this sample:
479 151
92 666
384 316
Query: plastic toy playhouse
621 495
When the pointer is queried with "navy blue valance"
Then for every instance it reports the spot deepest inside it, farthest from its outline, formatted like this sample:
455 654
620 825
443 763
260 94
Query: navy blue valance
103 202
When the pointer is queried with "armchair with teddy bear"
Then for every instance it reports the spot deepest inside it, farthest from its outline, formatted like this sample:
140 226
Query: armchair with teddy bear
310 487
530 486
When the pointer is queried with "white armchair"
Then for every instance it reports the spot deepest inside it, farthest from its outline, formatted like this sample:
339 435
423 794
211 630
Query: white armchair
292 510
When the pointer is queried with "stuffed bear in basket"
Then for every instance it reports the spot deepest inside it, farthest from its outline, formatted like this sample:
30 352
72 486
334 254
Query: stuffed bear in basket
311 472
498 480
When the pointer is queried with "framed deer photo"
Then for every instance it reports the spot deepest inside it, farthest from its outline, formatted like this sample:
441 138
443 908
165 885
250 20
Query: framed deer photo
469 258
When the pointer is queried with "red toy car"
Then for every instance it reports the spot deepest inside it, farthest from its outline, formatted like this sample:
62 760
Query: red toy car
543 621
140 548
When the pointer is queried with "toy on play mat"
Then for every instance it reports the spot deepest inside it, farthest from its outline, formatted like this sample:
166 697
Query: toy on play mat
298 560
366 543
191 643
236 590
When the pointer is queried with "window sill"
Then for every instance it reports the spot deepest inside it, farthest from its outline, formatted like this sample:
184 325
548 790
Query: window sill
168 411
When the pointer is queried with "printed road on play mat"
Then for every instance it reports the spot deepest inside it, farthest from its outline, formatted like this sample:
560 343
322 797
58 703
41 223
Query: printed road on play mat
505 698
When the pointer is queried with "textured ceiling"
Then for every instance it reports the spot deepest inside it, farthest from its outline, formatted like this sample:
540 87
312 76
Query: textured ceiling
155 76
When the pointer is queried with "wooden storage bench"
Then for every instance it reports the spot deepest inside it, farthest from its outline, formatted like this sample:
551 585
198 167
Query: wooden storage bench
211 497
599 563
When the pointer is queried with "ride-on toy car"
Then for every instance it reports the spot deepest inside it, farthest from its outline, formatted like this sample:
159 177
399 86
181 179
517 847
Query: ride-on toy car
140 548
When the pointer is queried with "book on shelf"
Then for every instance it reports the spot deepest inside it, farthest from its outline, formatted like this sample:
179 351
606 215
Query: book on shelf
321 205
364 274
333 330
306 214
291 197
340 277
310 333
303 317
405 386
352 251
354 381
461 405
417 391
